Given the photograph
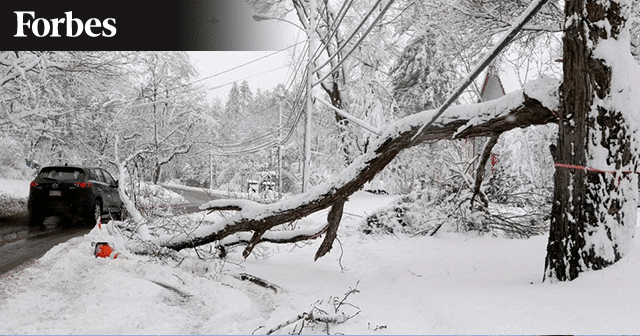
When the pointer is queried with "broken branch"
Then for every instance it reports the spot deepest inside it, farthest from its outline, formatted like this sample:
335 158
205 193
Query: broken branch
514 110
486 154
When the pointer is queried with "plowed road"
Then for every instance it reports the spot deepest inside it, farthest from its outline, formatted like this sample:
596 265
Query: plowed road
20 244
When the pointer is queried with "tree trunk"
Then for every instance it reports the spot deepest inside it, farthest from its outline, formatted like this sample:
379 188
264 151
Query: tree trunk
594 209
336 101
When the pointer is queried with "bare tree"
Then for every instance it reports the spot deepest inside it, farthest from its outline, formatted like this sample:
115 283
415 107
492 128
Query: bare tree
166 111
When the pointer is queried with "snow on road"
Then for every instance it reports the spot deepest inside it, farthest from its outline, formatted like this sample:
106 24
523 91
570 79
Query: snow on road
449 284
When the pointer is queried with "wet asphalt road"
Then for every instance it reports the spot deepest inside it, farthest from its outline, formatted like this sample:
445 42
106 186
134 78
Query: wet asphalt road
194 197
20 244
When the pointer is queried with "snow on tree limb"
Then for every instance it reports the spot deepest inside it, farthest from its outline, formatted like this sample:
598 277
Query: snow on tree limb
517 109
278 237
357 121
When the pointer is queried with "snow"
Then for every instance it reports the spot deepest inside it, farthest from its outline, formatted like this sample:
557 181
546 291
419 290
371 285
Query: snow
448 284
14 188
150 195
545 91
13 196
623 97
226 194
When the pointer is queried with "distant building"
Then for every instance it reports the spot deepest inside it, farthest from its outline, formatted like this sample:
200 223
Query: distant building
491 89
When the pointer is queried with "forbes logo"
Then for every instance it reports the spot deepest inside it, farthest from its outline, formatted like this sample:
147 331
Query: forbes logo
74 27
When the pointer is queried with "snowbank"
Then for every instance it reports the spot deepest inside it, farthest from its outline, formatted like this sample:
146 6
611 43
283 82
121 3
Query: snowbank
13 196
151 195
448 284
14 188
261 197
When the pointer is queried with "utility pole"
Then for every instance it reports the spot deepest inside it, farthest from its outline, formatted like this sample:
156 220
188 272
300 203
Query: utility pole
280 148
210 170
310 69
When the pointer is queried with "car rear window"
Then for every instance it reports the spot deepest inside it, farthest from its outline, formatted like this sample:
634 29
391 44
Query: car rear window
62 174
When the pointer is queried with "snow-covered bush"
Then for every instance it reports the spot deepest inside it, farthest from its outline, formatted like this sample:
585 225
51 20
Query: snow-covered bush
518 185
12 163
10 205
152 199
448 205
404 217
524 165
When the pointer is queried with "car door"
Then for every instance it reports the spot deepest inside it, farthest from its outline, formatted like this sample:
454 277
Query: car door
100 186
111 191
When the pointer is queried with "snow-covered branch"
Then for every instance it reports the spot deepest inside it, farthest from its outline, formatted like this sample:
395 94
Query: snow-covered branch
20 65
357 121
534 106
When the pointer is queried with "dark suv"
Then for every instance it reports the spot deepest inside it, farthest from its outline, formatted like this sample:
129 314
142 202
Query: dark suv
77 193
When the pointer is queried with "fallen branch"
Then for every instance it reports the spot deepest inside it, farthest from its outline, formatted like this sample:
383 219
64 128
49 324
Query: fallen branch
516 109
319 315
486 154
258 281
334 217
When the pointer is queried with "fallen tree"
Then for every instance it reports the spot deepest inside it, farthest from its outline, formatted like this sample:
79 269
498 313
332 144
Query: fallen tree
252 222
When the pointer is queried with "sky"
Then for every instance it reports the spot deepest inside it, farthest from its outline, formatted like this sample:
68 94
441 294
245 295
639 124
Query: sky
266 73
209 63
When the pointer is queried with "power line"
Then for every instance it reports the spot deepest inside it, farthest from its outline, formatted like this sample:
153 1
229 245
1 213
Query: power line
356 31
256 75
333 30
384 10
245 64
215 75
268 135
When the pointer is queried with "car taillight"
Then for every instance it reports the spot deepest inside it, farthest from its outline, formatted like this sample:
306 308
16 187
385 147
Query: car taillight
33 184
83 184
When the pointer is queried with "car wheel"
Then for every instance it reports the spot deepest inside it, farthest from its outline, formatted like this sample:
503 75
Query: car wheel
94 213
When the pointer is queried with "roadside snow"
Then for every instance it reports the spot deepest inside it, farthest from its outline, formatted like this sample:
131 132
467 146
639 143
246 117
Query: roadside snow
261 197
13 197
151 195
449 284
14 188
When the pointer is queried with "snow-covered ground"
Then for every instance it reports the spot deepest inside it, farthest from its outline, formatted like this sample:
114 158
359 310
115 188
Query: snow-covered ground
13 196
151 195
448 284
14 188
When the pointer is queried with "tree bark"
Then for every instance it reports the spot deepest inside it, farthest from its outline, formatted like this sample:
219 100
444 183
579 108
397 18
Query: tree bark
334 217
486 154
593 213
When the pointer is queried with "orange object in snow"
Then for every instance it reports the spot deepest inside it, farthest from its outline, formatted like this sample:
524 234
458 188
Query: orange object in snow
103 250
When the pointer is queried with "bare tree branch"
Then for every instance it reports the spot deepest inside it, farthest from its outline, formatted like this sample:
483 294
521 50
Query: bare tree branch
486 154
334 217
